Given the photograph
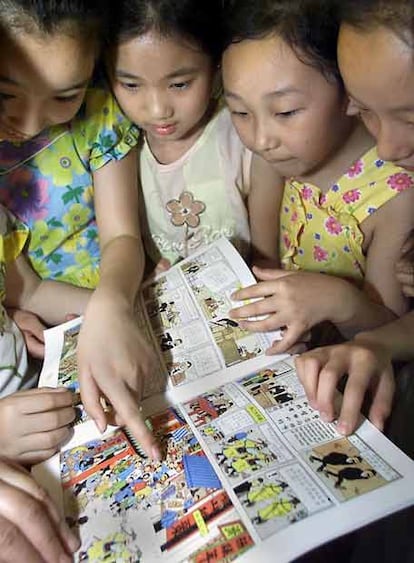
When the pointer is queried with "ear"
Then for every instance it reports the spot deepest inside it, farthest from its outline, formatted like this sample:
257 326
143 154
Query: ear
351 108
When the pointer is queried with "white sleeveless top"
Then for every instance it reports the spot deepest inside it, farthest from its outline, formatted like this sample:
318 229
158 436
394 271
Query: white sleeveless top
198 198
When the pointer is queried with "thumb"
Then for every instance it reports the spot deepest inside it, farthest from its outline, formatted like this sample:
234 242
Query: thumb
291 335
265 274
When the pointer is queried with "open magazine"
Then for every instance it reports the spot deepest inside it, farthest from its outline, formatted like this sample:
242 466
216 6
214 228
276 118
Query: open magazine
249 470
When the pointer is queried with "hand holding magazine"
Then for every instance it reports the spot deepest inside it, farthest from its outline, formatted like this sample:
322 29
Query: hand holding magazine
249 469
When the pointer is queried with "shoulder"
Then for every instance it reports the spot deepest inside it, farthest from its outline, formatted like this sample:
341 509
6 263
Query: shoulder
102 129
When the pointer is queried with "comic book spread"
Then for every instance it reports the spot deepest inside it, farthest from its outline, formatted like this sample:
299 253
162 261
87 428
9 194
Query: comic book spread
249 470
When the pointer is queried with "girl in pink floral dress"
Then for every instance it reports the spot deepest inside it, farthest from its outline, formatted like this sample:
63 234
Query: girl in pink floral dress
345 212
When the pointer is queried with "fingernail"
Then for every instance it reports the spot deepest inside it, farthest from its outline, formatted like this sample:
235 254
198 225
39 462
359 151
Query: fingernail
100 425
325 417
313 404
72 540
61 389
343 428
155 453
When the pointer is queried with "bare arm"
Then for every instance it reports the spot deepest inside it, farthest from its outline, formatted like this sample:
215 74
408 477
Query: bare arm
116 203
50 300
264 208
116 371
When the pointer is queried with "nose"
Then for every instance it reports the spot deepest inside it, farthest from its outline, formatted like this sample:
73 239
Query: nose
395 144
29 120
265 139
160 106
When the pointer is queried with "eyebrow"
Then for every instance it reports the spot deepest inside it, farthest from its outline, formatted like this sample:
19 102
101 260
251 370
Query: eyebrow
179 72
275 93
77 86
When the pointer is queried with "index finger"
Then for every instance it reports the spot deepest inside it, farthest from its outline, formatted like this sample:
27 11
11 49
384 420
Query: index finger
122 400
261 289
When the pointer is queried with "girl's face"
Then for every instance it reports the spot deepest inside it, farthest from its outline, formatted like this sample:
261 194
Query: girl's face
378 71
163 85
284 110
42 82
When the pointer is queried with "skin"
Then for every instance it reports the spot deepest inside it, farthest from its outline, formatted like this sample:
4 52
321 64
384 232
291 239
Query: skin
161 81
42 535
38 95
283 110
387 112
169 81
370 60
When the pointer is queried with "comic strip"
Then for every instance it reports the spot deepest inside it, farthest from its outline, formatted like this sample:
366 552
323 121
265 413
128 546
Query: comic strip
277 499
349 468
109 485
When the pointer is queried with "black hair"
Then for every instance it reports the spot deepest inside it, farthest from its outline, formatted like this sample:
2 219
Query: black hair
85 17
198 21
309 27
397 15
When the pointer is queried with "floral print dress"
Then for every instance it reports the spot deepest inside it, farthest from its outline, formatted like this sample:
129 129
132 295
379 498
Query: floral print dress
15 373
321 232
47 182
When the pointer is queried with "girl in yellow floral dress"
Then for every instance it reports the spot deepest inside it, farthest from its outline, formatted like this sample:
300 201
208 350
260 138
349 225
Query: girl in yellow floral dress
67 170
345 212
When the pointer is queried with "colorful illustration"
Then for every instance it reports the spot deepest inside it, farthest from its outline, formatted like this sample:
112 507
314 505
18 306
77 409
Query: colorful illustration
346 469
273 387
109 482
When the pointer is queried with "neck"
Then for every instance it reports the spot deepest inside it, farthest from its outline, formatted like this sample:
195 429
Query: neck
357 142
168 151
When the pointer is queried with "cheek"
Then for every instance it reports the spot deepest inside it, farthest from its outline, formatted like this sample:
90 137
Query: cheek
63 113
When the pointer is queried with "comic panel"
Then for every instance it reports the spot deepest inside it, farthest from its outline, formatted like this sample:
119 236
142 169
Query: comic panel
188 353
110 485
174 309
216 403
277 499
235 344
157 289
232 540
348 467
273 387
246 451
302 425
68 371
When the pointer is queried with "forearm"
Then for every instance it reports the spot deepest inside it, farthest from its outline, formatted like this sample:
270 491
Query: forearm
52 301
122 267
397 337
365 315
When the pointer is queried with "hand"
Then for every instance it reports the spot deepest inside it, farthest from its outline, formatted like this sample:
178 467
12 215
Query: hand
32 329
368 366
405 267
295 300
34 423
113 361
163 266
31 528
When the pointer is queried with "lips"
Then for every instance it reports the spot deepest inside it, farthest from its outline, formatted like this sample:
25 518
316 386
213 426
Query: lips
164 129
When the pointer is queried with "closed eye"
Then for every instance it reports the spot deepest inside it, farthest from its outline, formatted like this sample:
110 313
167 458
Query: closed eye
181 85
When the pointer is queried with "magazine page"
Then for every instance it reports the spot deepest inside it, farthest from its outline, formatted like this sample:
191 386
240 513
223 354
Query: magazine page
187 309
248 470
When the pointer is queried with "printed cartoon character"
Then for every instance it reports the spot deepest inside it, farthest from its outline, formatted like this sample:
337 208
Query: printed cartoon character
258 491
350 474
280 509
335 458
